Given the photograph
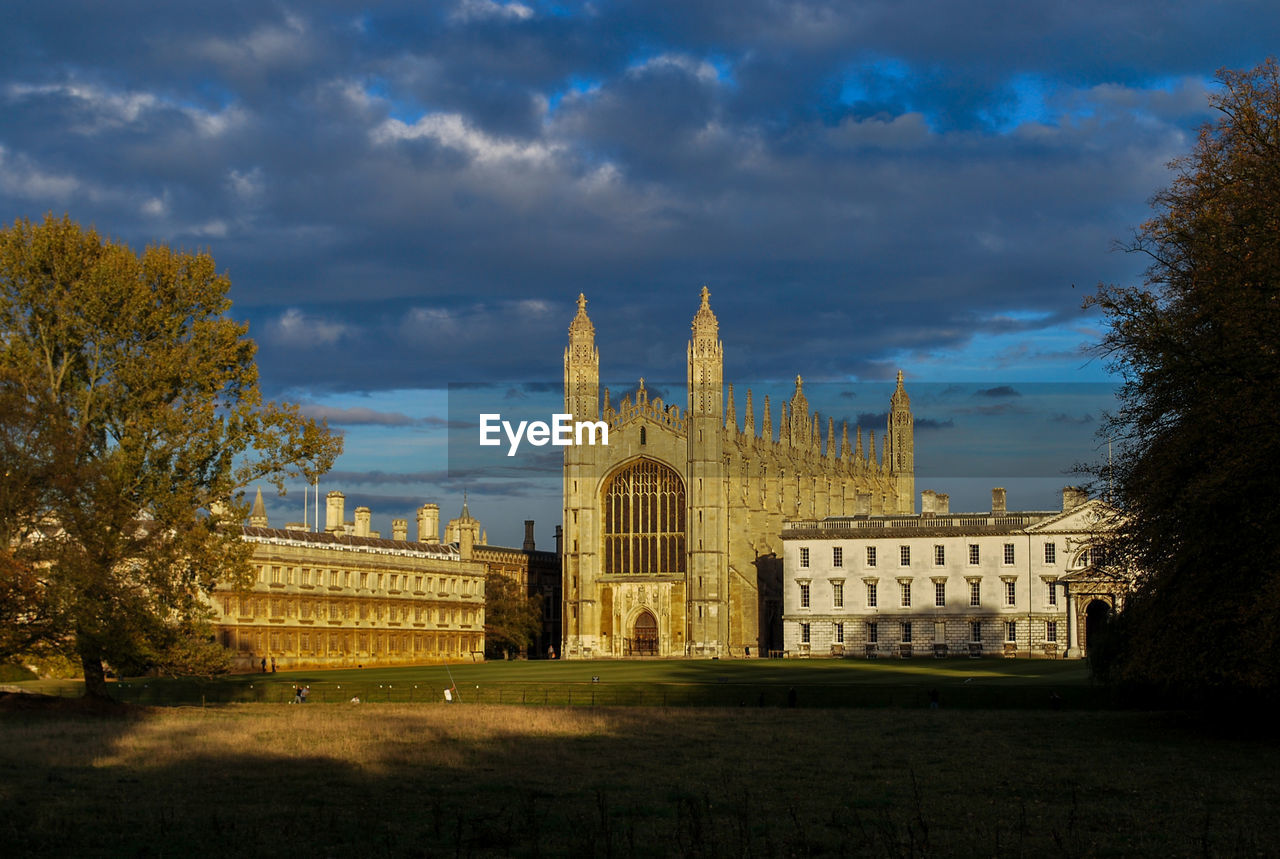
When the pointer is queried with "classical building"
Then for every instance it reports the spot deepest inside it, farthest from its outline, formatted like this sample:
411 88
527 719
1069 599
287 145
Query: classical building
348 596
999 582
671 531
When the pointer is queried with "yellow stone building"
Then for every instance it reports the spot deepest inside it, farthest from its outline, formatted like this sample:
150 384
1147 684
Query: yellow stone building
349 597
672 530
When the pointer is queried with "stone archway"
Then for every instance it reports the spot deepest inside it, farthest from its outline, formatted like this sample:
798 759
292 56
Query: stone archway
644 635
1097 614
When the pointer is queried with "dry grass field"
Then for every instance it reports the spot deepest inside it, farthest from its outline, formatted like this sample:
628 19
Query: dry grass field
390 779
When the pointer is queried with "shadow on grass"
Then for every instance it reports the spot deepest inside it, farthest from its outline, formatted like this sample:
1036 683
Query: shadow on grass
481 780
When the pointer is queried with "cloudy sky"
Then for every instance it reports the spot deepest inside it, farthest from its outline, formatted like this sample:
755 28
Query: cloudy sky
411 195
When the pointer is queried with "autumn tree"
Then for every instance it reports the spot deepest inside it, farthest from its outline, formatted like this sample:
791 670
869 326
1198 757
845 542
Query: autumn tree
1198 424
512 618
131 421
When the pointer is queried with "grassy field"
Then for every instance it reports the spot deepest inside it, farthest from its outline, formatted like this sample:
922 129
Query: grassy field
472 779
960 683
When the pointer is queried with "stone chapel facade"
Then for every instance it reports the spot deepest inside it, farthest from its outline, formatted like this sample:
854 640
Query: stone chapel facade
672 531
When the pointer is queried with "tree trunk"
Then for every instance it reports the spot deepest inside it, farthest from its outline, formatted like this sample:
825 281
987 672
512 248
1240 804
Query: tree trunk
95 678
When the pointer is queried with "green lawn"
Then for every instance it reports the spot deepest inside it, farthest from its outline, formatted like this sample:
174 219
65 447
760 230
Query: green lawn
1020 683
480 780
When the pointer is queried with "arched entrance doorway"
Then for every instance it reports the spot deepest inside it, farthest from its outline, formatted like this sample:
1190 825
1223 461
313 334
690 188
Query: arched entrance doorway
1096 616
644 635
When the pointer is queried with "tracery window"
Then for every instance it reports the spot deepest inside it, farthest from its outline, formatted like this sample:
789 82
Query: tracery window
644 520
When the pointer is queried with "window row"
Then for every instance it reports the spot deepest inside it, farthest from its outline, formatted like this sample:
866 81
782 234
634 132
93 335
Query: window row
271 574
1008 556
392 612
906 594
907 631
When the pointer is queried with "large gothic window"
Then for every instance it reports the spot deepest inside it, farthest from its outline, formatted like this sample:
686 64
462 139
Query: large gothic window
644 520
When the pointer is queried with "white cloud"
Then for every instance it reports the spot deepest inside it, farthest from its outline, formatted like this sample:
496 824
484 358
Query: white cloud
700 69
453 130
294 328
475 10
21 177
270 45
246 184
100 109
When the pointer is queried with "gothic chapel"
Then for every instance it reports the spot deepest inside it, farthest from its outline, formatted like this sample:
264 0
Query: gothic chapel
673 530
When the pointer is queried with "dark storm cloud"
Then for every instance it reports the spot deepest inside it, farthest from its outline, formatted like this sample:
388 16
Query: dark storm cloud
998 392
414 194
359 416
933 424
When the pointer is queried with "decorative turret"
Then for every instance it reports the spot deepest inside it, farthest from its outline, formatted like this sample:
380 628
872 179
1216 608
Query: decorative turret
844 441
749 419
899 447
730 412
706 363
464 530
258 516
582 367
766 422
799 409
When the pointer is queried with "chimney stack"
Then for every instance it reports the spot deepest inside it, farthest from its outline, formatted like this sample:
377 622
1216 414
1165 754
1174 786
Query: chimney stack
928 503
942 504
363 520
559 541
1073 497
335 510
400 529
997 502
429 523
528 535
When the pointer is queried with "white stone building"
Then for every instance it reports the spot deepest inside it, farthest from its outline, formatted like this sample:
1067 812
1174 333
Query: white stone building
938 583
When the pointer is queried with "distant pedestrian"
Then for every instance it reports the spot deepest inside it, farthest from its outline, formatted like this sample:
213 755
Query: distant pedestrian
933 699
297 695
273 665
306 690
551 652
264 665
791 697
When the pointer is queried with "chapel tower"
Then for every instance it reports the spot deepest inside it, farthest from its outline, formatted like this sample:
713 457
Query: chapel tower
582 400
708 535
900 446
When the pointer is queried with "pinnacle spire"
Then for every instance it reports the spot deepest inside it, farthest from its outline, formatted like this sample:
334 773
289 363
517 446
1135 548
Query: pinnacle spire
704 321
900 398
581 323
258 516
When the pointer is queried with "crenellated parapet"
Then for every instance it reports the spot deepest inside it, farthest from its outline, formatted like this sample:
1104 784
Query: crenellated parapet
654 410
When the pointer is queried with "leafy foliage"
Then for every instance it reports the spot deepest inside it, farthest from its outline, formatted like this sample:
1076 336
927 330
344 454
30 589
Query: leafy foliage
1199 422
512 618
131 418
